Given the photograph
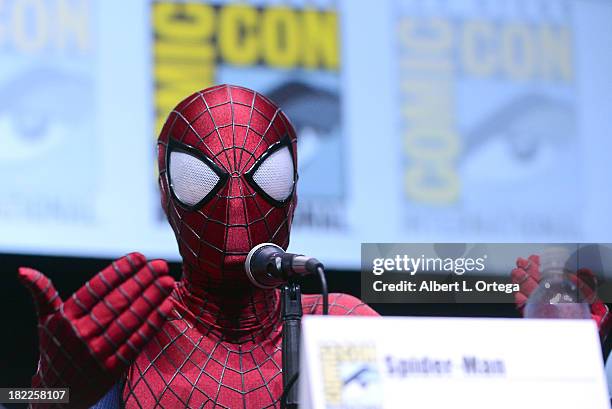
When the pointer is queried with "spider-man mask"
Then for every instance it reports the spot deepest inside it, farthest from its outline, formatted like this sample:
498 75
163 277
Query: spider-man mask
227 171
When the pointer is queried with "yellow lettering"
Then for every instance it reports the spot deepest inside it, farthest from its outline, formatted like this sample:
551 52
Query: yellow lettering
73 22
439 184
432 143
517 51
320 39
426 96
30 37
184 53
237 34
555 53
478 48
280 37
186 23
427 37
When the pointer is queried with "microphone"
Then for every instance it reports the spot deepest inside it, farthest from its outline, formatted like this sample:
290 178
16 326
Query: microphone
268 265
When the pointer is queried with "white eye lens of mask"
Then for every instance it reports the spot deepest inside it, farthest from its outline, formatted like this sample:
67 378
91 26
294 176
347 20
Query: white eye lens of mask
190 178
275 174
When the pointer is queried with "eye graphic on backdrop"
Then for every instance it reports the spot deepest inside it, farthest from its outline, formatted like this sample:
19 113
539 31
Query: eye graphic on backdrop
194 178
273 175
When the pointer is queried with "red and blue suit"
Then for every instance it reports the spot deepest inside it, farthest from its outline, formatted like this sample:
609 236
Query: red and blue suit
133 337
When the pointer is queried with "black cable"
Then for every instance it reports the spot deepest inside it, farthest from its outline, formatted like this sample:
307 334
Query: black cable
324 292
293 379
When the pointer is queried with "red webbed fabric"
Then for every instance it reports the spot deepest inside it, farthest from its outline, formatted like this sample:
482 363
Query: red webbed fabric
227 160
222 343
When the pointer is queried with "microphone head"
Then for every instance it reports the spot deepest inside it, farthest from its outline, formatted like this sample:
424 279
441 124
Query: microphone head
259 268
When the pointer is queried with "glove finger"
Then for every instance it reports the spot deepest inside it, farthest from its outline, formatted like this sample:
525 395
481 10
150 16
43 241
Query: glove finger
535 259
522 263
45 296
520 300
126 324
142 336
519 275
533 267
116 302
527 283
102 284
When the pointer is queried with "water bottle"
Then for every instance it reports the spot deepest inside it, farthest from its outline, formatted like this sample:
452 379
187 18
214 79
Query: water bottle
556 296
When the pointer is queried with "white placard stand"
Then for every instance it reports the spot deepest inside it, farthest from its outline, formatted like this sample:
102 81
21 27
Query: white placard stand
375 363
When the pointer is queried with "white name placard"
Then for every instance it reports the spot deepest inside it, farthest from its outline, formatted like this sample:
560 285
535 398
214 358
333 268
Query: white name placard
375 363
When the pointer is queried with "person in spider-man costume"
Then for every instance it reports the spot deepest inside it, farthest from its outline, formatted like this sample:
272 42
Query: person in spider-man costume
132 337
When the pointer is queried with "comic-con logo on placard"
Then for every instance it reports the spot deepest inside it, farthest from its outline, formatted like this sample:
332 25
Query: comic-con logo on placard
290 53
351 378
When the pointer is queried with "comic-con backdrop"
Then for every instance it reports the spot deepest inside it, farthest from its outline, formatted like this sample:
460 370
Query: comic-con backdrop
471 121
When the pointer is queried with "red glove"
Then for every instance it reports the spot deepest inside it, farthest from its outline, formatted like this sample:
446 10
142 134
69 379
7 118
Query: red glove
87 341
527 275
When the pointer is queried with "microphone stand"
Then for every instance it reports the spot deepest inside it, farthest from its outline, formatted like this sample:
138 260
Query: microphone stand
291 312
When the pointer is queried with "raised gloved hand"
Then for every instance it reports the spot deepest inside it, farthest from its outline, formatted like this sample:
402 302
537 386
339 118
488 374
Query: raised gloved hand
87 341
527 275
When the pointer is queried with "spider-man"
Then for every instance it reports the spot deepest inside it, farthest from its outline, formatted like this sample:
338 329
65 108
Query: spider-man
132 336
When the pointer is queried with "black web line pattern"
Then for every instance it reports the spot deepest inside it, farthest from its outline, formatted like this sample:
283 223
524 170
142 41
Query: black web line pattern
220 353
234 169
202 357
253 348
262 346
